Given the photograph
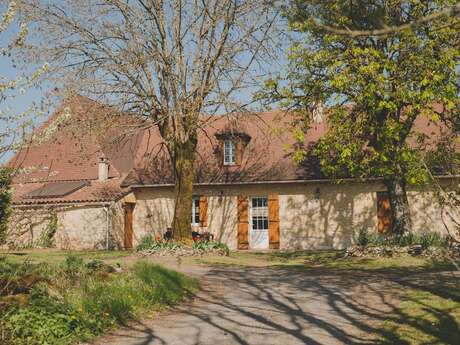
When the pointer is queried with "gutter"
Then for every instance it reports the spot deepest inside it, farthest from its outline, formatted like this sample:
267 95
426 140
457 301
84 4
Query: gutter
338 181
107 225
38 205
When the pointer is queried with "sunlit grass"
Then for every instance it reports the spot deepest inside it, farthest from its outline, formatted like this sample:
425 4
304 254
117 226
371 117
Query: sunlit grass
330 259
425 317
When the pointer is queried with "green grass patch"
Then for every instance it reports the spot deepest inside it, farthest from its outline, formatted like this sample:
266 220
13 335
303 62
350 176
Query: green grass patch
430 316
327 259
55 255
75 300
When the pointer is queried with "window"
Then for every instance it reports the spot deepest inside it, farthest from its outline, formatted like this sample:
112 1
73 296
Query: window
229 152
196 210
259 213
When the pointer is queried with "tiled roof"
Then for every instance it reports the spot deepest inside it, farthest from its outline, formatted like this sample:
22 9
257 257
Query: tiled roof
94 191
138 156
267 156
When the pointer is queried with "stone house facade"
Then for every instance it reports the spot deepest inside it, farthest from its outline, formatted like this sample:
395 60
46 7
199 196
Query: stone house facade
100 189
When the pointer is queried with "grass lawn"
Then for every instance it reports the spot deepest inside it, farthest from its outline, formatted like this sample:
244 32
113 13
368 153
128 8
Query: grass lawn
428 316
330 259
55 255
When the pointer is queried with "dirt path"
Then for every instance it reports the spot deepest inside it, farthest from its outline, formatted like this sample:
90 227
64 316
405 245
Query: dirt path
262 305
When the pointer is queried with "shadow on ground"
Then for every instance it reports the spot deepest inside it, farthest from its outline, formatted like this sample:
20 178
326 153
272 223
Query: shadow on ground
290 306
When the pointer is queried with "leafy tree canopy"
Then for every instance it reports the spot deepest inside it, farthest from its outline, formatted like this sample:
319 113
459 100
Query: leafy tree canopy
377 86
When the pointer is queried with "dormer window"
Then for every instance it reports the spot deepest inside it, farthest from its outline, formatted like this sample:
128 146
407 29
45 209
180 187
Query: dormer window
231 146
229 152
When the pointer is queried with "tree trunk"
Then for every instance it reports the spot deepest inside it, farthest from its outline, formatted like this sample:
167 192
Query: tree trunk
184 158
401 220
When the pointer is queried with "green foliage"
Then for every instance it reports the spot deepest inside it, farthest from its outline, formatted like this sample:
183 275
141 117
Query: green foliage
5 202
76 304
95 265
47 236
44 321
73 266
150 243
363 237
209 245
377 86
425 239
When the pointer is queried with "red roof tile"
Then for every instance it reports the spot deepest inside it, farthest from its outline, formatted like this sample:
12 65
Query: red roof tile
95 130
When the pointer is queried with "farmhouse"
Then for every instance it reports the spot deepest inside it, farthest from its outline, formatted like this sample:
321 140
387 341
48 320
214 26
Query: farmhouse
95 178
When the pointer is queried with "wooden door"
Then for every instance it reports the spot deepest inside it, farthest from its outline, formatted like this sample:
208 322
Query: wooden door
383 213
128 231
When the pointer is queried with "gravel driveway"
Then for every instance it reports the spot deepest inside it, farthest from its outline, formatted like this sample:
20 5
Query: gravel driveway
261 305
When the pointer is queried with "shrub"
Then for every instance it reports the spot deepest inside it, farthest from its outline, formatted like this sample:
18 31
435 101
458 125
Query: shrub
73 266
433 239
43 321
95 265
426 239
150 243
209 245
146 242
67 314
363 237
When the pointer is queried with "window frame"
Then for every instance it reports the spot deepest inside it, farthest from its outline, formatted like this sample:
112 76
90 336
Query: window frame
264 219
195 210
230 157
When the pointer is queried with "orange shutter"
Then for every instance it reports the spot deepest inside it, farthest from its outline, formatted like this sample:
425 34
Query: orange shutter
273 221
243 222
203 211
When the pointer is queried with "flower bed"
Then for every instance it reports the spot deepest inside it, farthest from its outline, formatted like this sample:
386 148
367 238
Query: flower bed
150 246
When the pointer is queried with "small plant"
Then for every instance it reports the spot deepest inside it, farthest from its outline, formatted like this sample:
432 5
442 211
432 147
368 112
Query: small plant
73 266
426 239
63 314
210 245
432 239
146 242
150 243
363 237
95 265
47 236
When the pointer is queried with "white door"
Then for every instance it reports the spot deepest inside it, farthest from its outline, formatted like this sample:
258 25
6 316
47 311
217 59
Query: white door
258 236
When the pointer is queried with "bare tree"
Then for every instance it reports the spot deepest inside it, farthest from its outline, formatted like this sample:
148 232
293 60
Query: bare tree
15 126
166 60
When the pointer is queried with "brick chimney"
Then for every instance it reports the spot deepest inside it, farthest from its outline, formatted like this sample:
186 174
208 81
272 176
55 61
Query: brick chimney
103 172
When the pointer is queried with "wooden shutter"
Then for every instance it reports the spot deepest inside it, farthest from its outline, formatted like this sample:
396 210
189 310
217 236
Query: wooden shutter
203 211
383 213
273 221
243 222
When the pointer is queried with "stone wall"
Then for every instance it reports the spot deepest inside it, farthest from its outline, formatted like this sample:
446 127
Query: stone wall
312 215
77 226
308 219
